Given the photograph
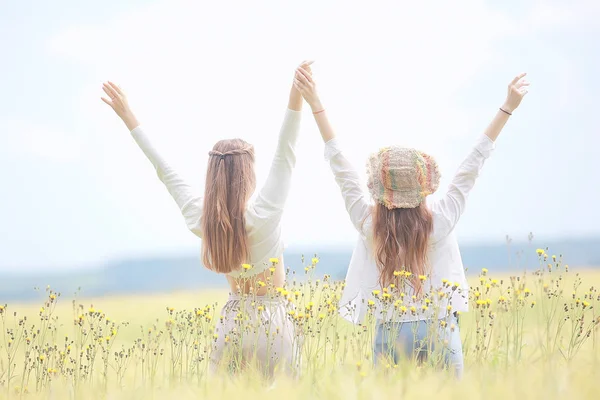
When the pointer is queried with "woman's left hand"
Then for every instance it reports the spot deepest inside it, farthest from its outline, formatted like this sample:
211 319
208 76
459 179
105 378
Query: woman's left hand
118 102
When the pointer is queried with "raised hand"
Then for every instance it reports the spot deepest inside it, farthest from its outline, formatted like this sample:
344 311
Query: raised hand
117 100
296 101
304 82
517 89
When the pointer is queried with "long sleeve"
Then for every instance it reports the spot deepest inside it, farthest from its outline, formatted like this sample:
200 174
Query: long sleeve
182 192
357 203
273 195
451 206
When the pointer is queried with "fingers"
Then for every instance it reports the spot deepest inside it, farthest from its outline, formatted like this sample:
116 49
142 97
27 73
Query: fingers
116 88
109 91
299 85
522 84
104 99
518 78
303 76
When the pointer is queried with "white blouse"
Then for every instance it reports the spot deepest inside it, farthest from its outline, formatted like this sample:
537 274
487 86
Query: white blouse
444 255
263 212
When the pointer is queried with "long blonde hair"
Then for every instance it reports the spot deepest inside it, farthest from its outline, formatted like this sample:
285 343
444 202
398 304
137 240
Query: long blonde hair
401 241
230 181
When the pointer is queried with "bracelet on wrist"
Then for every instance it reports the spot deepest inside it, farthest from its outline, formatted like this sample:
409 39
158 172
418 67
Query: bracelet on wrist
318 112
504 111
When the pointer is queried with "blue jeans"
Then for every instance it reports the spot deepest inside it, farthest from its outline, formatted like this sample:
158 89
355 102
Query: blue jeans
426 340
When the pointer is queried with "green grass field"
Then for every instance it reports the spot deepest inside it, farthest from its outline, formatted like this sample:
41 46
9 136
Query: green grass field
531 336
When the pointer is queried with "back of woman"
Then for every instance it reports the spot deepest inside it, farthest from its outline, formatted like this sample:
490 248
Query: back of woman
241 237
406 271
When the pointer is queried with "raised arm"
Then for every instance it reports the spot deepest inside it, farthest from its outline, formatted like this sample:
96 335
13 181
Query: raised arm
272 197
452 205
357 204
189 202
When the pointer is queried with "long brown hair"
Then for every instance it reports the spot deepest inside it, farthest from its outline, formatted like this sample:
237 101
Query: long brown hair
230 181
401 241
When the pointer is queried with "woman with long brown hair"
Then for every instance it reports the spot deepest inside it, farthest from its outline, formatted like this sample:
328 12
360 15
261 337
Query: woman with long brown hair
406 271
241 236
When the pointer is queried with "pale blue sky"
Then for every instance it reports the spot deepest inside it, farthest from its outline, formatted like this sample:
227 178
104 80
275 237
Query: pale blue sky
77 191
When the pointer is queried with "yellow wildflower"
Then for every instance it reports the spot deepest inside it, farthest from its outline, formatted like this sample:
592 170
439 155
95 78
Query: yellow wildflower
397 273
540 252
315 260
246 266
274 260
376 292
484 271
423 277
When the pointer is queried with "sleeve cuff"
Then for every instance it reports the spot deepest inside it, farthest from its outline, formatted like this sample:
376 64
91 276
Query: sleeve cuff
332 148
136 130
293 115
485 146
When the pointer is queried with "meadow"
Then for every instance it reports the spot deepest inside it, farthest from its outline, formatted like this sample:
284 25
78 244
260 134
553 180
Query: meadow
529 335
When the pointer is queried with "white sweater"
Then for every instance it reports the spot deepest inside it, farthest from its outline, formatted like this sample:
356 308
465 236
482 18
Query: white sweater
263 212
444 255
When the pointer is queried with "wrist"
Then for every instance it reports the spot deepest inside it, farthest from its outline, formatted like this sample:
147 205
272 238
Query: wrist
508 108
130 121
316 106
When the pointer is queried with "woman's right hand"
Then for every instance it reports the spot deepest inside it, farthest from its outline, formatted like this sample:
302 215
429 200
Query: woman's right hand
517 89
304 82
118 102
